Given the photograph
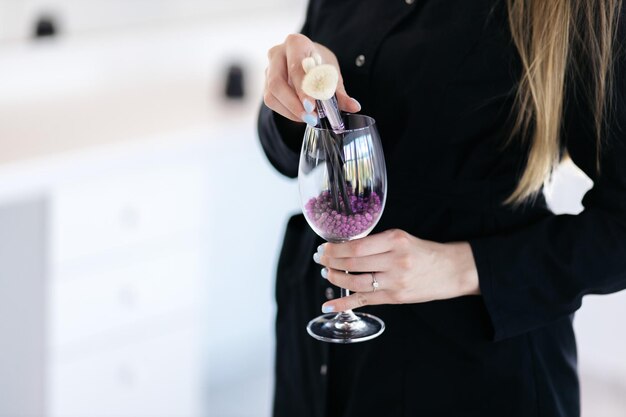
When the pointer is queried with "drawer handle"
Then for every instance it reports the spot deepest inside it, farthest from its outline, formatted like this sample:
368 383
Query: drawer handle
129 218
125 375
127 297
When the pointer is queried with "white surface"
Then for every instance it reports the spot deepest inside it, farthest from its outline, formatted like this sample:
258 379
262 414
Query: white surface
127 207
157 377
130 84
158 191
103 300
17 17
121 292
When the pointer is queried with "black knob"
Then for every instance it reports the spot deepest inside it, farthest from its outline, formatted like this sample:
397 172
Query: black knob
45 27
235 82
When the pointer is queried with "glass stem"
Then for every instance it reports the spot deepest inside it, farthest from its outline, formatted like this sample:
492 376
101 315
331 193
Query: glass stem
348 315
344 292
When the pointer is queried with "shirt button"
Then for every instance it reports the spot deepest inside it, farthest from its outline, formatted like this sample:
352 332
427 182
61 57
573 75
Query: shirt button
323 370
330 293
360 60
409 1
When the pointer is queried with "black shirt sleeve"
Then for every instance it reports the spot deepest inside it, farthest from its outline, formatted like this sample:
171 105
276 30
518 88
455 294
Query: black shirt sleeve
539 274
281 140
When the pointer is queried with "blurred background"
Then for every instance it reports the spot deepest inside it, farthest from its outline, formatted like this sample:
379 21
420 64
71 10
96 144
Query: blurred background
140 222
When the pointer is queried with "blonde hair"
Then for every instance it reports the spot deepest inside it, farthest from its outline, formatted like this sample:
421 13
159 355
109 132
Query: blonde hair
554 39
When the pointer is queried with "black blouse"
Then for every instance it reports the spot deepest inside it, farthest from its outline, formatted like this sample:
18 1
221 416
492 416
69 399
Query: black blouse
439 77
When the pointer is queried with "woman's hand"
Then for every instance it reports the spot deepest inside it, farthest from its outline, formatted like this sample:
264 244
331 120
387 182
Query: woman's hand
283 80
407 269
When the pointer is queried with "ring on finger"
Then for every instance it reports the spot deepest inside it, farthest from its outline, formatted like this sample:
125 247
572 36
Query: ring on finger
375 283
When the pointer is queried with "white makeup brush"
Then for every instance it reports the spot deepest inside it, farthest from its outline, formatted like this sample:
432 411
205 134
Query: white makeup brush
320 82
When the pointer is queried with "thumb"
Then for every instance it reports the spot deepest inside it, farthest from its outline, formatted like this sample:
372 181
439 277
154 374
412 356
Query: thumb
346 103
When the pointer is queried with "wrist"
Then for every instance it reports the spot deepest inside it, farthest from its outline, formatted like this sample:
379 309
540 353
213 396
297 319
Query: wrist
466 272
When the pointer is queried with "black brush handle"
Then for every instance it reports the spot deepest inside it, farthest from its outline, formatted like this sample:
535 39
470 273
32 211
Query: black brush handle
334 151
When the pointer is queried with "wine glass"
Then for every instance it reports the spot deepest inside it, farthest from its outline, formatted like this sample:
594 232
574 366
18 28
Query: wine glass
343 187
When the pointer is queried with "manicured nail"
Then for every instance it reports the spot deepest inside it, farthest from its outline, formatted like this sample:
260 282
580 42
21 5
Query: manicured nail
310 119
324 273
320 249
357 103
327 309
308 106
316 257
308 63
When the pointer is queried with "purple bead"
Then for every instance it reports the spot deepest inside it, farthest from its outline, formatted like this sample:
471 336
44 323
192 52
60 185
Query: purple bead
334 224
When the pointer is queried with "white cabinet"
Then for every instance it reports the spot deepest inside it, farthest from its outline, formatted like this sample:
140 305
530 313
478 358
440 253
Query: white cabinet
154 278
156 377
158 217
119 210
98 303
129 255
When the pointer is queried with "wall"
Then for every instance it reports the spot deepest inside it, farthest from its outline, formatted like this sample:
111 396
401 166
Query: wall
17 17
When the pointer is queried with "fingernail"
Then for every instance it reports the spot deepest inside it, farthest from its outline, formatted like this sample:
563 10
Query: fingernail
327 309
320 249
310 119
308 63
357 103
316 257
308 106
324 273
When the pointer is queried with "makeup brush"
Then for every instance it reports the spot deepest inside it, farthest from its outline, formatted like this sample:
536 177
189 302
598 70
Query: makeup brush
320 82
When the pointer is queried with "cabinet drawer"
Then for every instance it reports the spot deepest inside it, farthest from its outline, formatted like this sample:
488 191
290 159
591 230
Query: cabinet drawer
158 377
98 302
100 214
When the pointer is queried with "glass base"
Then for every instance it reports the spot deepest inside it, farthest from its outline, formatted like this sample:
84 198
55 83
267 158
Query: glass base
345 327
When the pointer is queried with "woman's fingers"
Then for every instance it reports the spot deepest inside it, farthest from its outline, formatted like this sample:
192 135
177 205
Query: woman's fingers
281 98
279 95
357 282
412 271
369 245
273 103
376 262
284 75
346 103
356 300
298 47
